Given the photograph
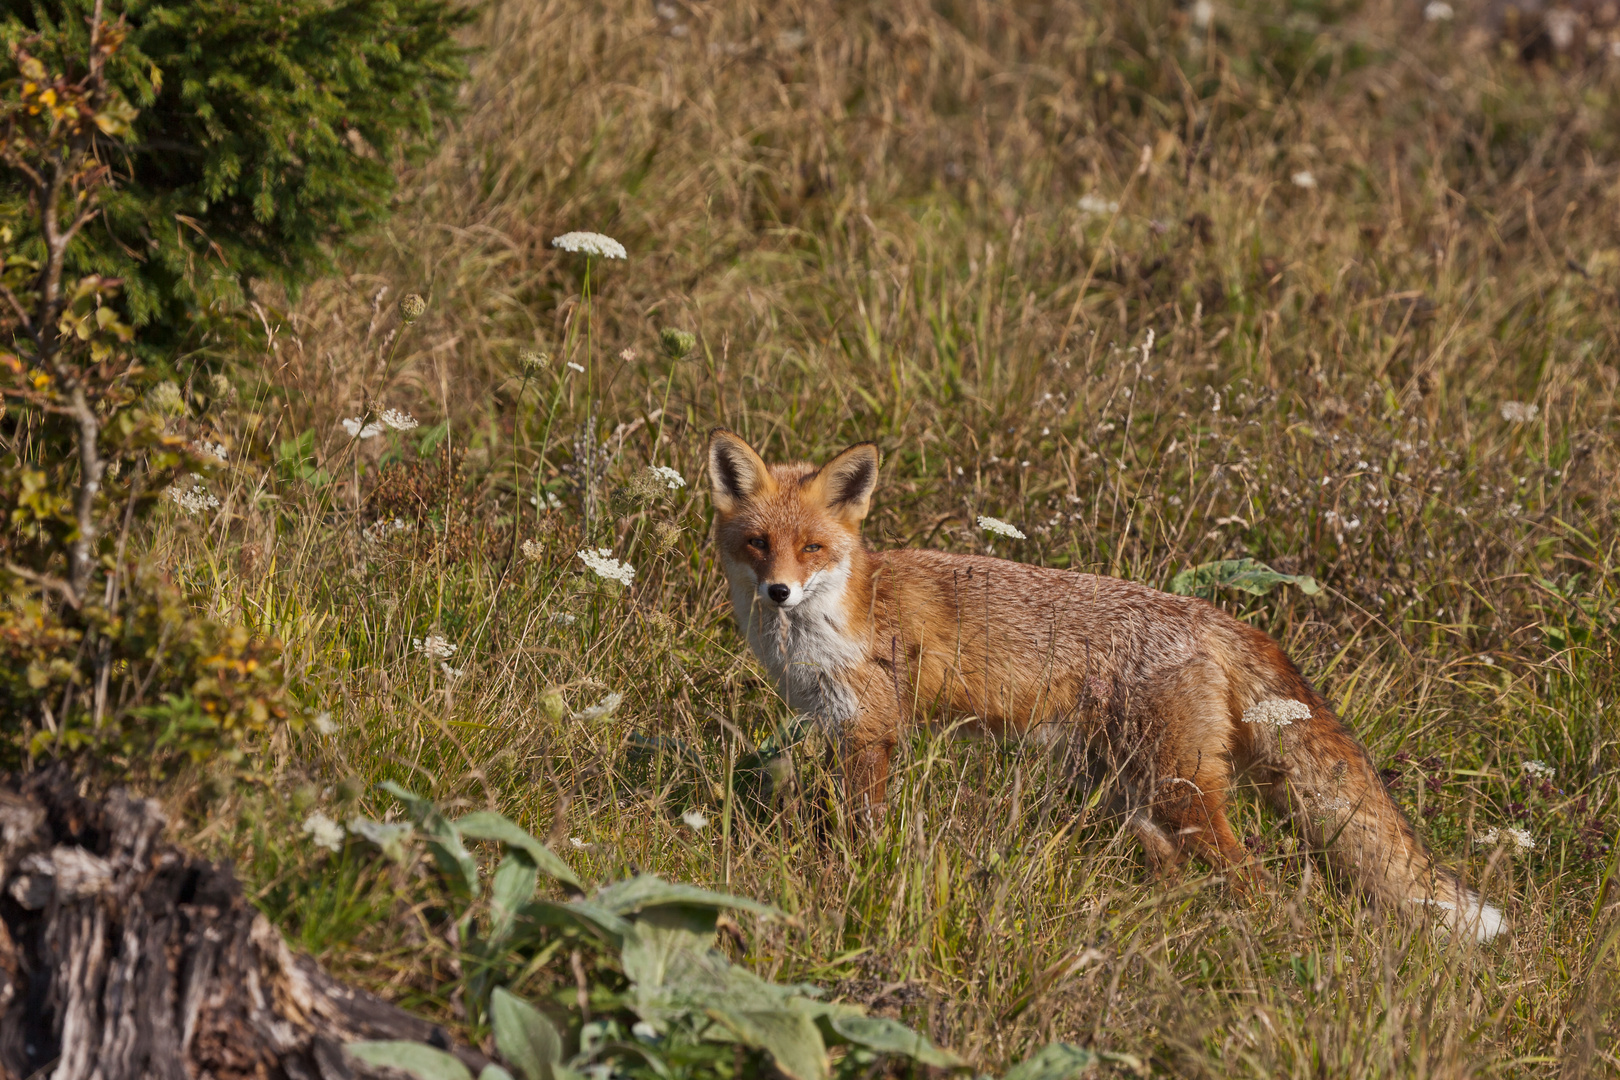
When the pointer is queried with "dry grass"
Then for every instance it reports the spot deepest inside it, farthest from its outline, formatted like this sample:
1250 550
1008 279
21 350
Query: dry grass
871 215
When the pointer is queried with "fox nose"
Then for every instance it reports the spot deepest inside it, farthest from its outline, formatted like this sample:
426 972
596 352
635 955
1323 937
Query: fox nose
779 593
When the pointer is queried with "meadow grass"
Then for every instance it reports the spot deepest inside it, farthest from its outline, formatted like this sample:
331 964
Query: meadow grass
1321 284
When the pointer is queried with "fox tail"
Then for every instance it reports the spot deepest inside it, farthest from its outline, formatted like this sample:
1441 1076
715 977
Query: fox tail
1315 771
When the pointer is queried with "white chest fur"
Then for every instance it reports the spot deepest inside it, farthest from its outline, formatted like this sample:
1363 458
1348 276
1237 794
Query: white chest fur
806 649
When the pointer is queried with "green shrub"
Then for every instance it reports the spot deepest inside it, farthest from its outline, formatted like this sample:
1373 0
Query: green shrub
267 132
99 646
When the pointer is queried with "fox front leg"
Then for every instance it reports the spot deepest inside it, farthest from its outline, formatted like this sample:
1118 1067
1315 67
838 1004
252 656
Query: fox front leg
866 747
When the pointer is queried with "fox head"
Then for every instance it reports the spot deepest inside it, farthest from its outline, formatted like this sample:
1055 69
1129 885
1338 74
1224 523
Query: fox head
788 532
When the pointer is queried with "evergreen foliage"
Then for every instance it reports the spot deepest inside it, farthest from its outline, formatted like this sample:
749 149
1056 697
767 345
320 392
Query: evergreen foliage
267 132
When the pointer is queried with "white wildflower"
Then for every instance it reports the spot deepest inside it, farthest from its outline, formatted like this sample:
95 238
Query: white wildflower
357 428
606 566
696 820
195 499
436 646
533 550
1303 179
1519 412
580 845
451 673
590 243
324 724
1203 13
399 419
324 831
1277 712
1000 528
576 367
204 448
563 618
1519 838
668 475
602 709
1093 205
551 501
1539 770
1438 11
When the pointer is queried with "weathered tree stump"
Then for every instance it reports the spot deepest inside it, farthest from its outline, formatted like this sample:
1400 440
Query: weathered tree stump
122 957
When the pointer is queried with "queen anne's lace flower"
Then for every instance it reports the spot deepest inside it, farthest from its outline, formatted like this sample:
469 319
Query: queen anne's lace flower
324 831
606 566
1438 11
324 724
399 419
1519 838
696 820
668 475
196 498
1277 712
1000 528
1539 770
357 428
590 243
1303 179
204 448
1519 412
436 646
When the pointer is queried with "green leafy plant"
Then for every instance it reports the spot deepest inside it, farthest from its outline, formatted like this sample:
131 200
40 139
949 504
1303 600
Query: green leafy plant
1245 575
101 648
666 1003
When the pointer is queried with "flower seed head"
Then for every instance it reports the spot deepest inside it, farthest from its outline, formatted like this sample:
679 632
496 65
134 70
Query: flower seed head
533 360
411 307
677 344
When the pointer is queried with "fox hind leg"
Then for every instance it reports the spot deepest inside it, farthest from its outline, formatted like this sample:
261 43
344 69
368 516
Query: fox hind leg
1183 719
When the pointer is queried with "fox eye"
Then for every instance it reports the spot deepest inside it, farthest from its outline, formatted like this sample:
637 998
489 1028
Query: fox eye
812 547
759 543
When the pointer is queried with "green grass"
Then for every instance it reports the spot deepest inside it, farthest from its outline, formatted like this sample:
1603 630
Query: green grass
870 215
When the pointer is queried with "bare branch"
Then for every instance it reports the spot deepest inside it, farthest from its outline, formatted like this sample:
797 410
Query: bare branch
20 311
47 582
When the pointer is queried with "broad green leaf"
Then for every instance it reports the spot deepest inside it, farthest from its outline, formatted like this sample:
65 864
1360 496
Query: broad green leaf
585 915
892 1037
634 895
745 1008
524 1036
421 1061
443 841
663 940
510 887
391 838
787 1035
1249 575
1056 1061
488 825
494 1072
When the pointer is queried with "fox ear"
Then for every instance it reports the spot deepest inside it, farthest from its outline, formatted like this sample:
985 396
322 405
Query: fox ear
845 484
736 473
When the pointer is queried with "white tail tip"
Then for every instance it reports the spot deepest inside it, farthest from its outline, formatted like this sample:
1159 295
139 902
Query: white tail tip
1484 921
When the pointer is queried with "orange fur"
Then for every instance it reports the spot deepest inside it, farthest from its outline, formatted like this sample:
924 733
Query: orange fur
1148 687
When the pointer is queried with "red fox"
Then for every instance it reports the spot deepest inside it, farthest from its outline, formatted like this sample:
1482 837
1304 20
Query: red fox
1168 694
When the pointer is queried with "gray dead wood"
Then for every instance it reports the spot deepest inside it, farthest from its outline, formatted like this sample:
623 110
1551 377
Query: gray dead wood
124 958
